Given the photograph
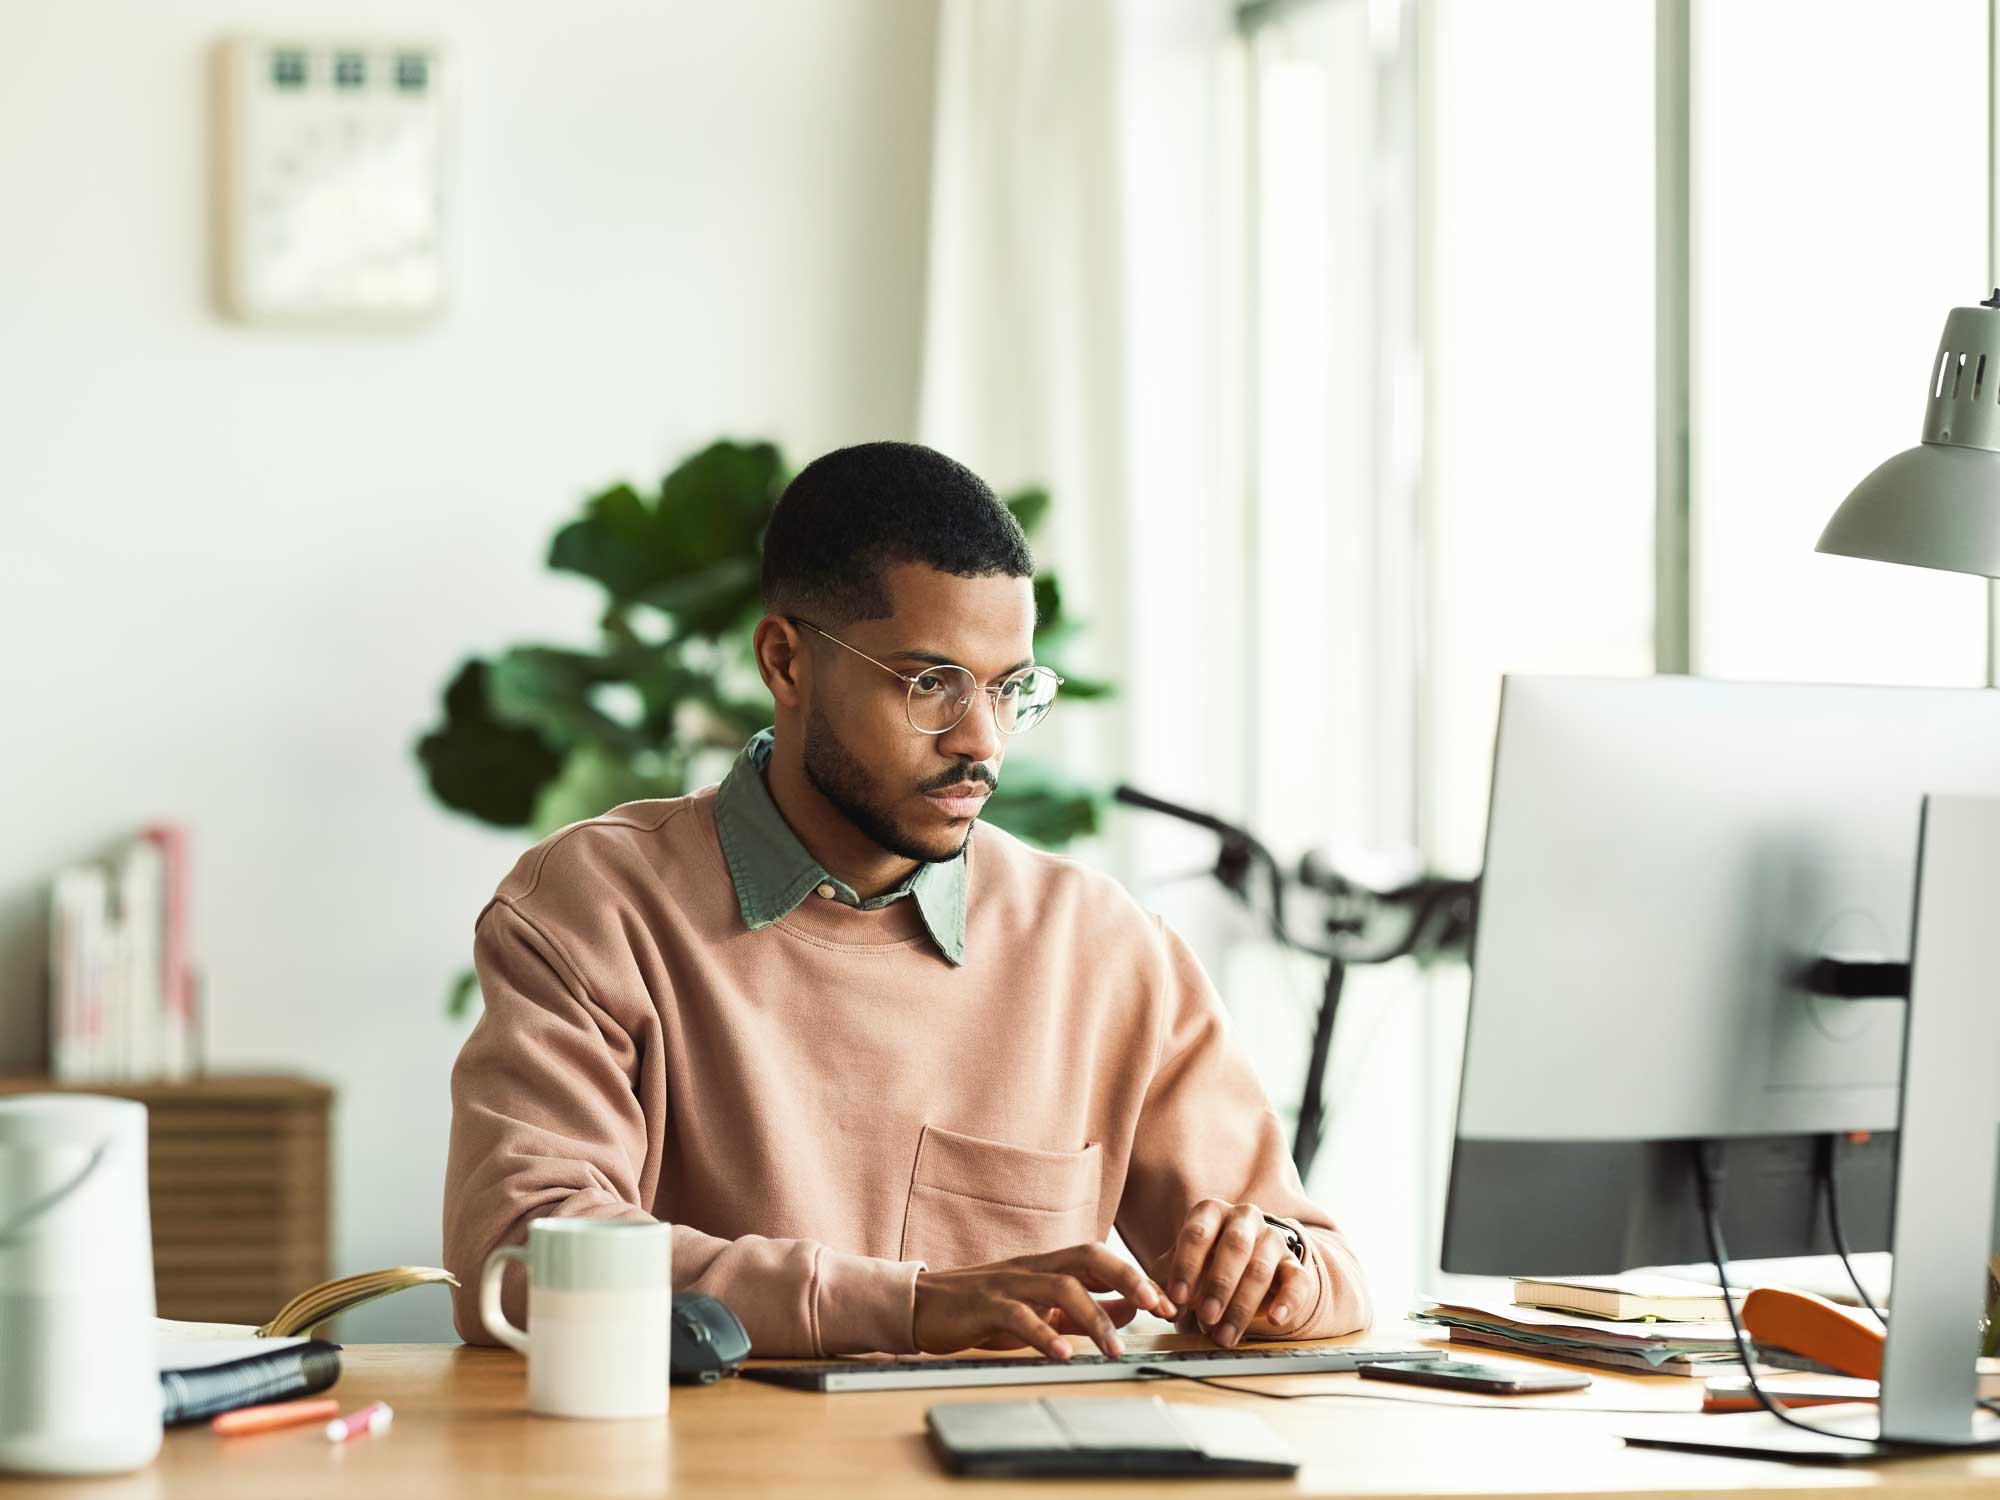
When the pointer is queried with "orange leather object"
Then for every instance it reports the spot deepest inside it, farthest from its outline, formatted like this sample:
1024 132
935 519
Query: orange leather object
1842 1338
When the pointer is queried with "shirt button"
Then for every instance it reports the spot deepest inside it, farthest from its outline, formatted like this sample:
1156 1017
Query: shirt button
826 890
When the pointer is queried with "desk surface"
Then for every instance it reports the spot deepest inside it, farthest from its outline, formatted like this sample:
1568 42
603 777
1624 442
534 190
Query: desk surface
462 1430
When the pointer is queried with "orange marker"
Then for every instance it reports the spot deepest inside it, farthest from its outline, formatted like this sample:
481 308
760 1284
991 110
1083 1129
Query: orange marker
279 1414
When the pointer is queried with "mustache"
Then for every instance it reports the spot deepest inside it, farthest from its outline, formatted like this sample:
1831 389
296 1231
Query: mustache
981 772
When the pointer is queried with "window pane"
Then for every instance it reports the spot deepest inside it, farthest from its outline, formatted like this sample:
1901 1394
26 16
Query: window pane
1541 352
1840 180
1334 557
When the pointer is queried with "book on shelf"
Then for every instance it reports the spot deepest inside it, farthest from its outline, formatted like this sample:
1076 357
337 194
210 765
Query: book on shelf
1628 1298
312 1307
121 979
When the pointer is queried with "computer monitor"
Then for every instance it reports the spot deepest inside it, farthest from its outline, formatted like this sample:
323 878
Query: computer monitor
1664 858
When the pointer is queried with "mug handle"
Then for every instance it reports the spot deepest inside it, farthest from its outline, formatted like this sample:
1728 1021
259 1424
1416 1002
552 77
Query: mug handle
489 1296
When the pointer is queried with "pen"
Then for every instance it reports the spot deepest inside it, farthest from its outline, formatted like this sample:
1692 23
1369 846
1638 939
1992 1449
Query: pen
374 1417
277 1414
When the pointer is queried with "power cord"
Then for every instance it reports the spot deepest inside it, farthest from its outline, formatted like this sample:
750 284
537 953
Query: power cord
1711 1174
1829 1181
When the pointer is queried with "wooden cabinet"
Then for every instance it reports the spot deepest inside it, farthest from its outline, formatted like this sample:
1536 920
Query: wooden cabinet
238 1168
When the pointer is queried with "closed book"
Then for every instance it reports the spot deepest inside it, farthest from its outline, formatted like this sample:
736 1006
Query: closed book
201 1380
1629 1298
140 883
177 1040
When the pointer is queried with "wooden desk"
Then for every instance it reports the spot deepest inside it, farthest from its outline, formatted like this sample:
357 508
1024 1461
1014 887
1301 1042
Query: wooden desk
462 1430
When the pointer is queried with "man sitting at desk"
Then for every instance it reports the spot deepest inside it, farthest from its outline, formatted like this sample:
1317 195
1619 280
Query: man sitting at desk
892 1083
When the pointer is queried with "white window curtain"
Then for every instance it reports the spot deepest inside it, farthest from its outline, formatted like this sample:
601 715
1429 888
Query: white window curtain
1079 233
1097 228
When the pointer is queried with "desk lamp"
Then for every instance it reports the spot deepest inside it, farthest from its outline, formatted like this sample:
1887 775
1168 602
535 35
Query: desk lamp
1937 505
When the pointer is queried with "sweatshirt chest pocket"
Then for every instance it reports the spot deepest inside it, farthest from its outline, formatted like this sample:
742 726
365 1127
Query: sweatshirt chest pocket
973 1201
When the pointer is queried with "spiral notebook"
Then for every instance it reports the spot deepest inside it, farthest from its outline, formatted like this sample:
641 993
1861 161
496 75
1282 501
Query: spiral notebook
210 1376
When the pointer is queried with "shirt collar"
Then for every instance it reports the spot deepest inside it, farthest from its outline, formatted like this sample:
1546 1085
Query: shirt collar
773 872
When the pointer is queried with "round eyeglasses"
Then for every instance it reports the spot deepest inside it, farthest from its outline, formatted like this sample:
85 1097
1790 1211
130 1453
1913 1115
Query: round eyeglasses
939 697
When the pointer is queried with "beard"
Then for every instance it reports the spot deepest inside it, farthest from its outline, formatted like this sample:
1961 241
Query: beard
840 777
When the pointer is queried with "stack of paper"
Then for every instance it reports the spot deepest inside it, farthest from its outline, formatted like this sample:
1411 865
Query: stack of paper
1648 1348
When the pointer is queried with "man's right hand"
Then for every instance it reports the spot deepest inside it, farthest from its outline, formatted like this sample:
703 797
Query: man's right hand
1032 1300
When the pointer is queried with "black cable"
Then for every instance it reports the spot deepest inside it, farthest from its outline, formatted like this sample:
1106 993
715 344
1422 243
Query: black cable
1244 1390
1830 1182
1829 1177
1709 1176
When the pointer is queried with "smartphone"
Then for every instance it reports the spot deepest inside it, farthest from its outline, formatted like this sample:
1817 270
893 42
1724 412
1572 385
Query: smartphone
1463 1375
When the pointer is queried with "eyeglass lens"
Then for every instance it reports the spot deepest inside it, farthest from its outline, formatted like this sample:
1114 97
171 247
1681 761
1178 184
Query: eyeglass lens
941 696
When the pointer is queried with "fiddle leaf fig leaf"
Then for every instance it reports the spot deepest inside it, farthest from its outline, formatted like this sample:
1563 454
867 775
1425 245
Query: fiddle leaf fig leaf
710 510
464 990
1035 804
1029 507
549 690
593 781
476 764
1083 689
614 542
709 600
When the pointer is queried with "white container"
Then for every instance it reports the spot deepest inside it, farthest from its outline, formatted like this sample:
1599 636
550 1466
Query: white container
600 1315
79 1374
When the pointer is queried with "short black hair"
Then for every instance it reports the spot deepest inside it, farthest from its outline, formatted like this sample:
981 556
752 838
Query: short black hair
852 512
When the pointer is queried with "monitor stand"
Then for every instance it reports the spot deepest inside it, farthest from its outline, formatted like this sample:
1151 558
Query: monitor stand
1948 1154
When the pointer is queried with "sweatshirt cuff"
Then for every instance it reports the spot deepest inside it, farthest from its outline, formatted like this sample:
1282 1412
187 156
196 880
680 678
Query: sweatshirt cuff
862 1305
1344 1305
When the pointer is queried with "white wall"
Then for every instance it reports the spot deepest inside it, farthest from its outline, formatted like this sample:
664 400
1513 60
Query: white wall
237 566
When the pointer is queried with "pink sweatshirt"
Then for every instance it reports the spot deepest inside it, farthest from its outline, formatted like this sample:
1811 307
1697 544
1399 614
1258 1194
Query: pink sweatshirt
825 1107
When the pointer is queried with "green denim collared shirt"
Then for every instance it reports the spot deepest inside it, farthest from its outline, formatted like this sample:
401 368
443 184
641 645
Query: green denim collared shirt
773 872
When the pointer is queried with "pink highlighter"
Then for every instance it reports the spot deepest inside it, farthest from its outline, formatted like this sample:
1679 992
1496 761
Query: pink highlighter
374 1417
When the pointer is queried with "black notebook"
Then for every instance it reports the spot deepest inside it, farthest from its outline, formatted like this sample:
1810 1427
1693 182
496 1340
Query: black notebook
1077 1435
200 1380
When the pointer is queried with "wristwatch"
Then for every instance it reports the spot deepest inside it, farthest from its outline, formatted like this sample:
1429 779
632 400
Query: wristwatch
1293 1241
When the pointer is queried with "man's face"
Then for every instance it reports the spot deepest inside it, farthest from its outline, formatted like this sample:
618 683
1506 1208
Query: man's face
916 795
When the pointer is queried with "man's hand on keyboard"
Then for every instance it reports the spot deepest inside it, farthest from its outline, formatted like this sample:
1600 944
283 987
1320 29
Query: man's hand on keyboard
1032 1300
1230 1270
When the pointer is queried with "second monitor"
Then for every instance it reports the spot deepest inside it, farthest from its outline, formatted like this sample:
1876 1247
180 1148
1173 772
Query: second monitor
1666 858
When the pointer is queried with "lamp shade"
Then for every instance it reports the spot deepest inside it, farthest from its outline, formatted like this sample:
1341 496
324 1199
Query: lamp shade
1937 505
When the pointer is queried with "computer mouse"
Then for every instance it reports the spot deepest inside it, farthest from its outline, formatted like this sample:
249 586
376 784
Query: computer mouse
708 1341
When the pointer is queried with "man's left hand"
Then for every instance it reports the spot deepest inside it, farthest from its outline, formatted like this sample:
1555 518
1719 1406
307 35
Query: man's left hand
1231 1272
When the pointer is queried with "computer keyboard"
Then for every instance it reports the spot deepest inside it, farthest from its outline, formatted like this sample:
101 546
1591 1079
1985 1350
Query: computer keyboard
926 1372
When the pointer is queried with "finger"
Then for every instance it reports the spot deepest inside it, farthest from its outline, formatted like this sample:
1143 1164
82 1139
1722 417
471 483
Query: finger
1081 1311
1120 1310
1024 1323
1289 1290
1228 1258
1101 1271
1191 1249
1252 1287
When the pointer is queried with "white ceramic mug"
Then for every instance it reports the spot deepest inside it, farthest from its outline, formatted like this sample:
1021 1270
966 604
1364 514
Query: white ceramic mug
600 1315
